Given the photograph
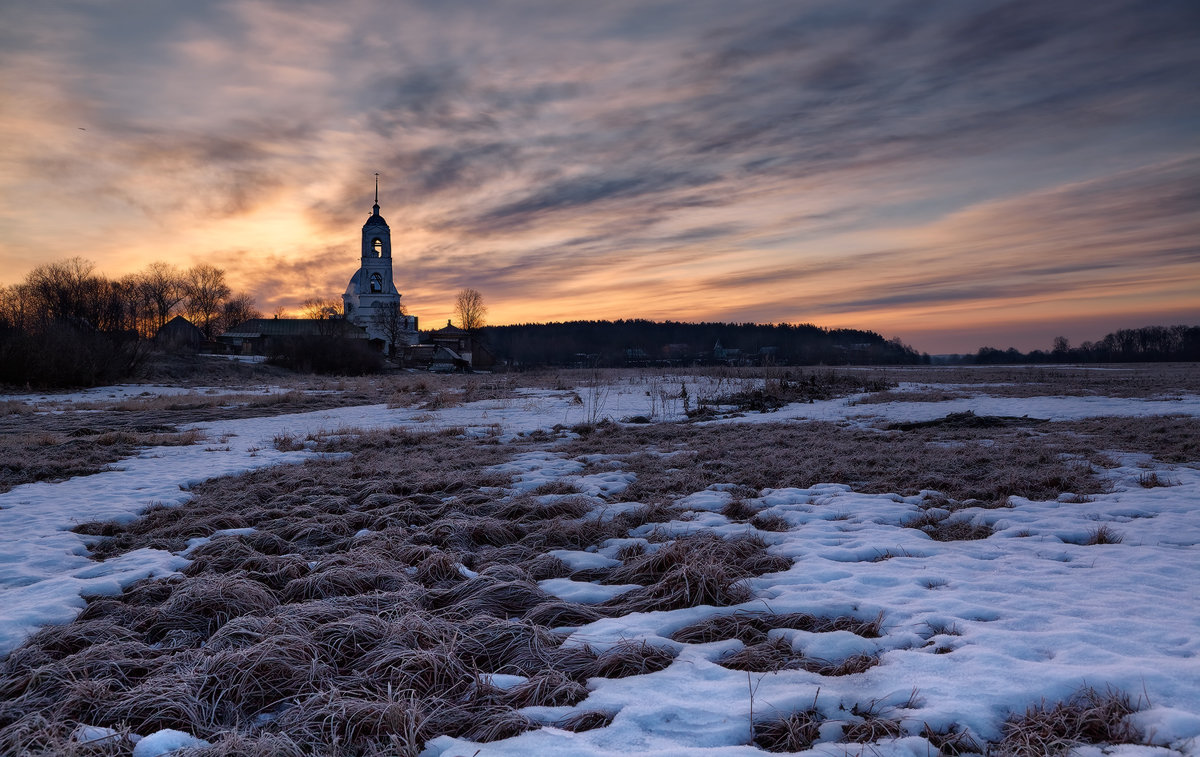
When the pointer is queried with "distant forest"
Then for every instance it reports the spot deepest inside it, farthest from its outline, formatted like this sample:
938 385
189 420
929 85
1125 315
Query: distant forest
648 343
1148 344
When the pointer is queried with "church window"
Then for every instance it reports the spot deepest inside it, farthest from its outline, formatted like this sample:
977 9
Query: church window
376 283
377 244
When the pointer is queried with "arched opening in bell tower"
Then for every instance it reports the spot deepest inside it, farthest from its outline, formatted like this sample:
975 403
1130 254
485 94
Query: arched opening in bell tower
377 245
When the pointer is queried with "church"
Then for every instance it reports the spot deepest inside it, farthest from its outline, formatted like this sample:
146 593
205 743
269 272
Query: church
371 300
371 306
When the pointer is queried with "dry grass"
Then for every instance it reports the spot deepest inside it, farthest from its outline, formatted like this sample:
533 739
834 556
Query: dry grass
353 643
784 386
777 654
871 727
1104 534
371 643
29 456
1152 480
952 742
942 526
794 733
1148 380
752 627
920 395
963 461
1090 716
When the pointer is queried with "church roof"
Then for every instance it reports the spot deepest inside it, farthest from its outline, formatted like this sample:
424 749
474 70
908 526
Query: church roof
375 219
256 328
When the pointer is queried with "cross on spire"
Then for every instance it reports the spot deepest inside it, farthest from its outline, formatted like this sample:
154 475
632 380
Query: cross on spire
376 186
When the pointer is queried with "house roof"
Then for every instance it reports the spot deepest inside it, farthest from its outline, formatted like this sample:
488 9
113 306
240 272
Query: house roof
450 330
178 323
261 327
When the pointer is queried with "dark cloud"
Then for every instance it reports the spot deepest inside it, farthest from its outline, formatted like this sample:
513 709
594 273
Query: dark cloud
579 193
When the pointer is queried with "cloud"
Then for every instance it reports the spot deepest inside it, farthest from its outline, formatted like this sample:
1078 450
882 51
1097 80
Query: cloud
783 159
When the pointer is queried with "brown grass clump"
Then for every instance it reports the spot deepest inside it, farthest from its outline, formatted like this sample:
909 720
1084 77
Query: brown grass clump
1104 534
686 585
870 728
794 733
347 574
258 677
776 654
1087 717
505 646
631 658
922 395
549 689
556 613
852 665
795 386
765 657
285 442
1169 438
347 722
589 720
943 527
770 522
486 596
203 604
739 510
1151 480
951 742
557 486
28 455
1023 458
751 627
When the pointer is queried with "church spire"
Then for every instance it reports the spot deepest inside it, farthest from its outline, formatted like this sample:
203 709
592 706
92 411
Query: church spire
375 207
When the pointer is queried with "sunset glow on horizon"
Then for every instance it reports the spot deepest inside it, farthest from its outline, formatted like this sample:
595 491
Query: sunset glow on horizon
955 174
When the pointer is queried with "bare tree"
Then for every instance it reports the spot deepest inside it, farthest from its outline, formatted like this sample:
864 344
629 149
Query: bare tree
238 309
162 286
206 292
394 323
321 308
470 308
65 290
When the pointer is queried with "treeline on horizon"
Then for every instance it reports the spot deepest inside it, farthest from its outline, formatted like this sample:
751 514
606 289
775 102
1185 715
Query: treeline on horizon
638 342
1149 344
68 325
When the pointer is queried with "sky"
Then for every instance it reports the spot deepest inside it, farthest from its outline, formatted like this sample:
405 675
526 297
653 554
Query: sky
955 173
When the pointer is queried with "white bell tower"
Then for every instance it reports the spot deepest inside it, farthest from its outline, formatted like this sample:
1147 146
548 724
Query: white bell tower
371 299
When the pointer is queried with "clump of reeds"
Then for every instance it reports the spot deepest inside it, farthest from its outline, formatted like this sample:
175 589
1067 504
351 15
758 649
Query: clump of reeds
942 526
752 627
793 733
951 741
1089 716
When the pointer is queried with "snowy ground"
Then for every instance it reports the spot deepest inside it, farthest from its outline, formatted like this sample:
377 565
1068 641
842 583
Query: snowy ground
977 629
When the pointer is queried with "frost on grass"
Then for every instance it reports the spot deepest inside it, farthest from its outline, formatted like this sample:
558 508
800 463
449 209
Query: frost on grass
360 603
963 462
398 595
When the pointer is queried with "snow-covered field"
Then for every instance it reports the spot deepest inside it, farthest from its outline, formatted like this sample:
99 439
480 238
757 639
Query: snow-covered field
973 631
